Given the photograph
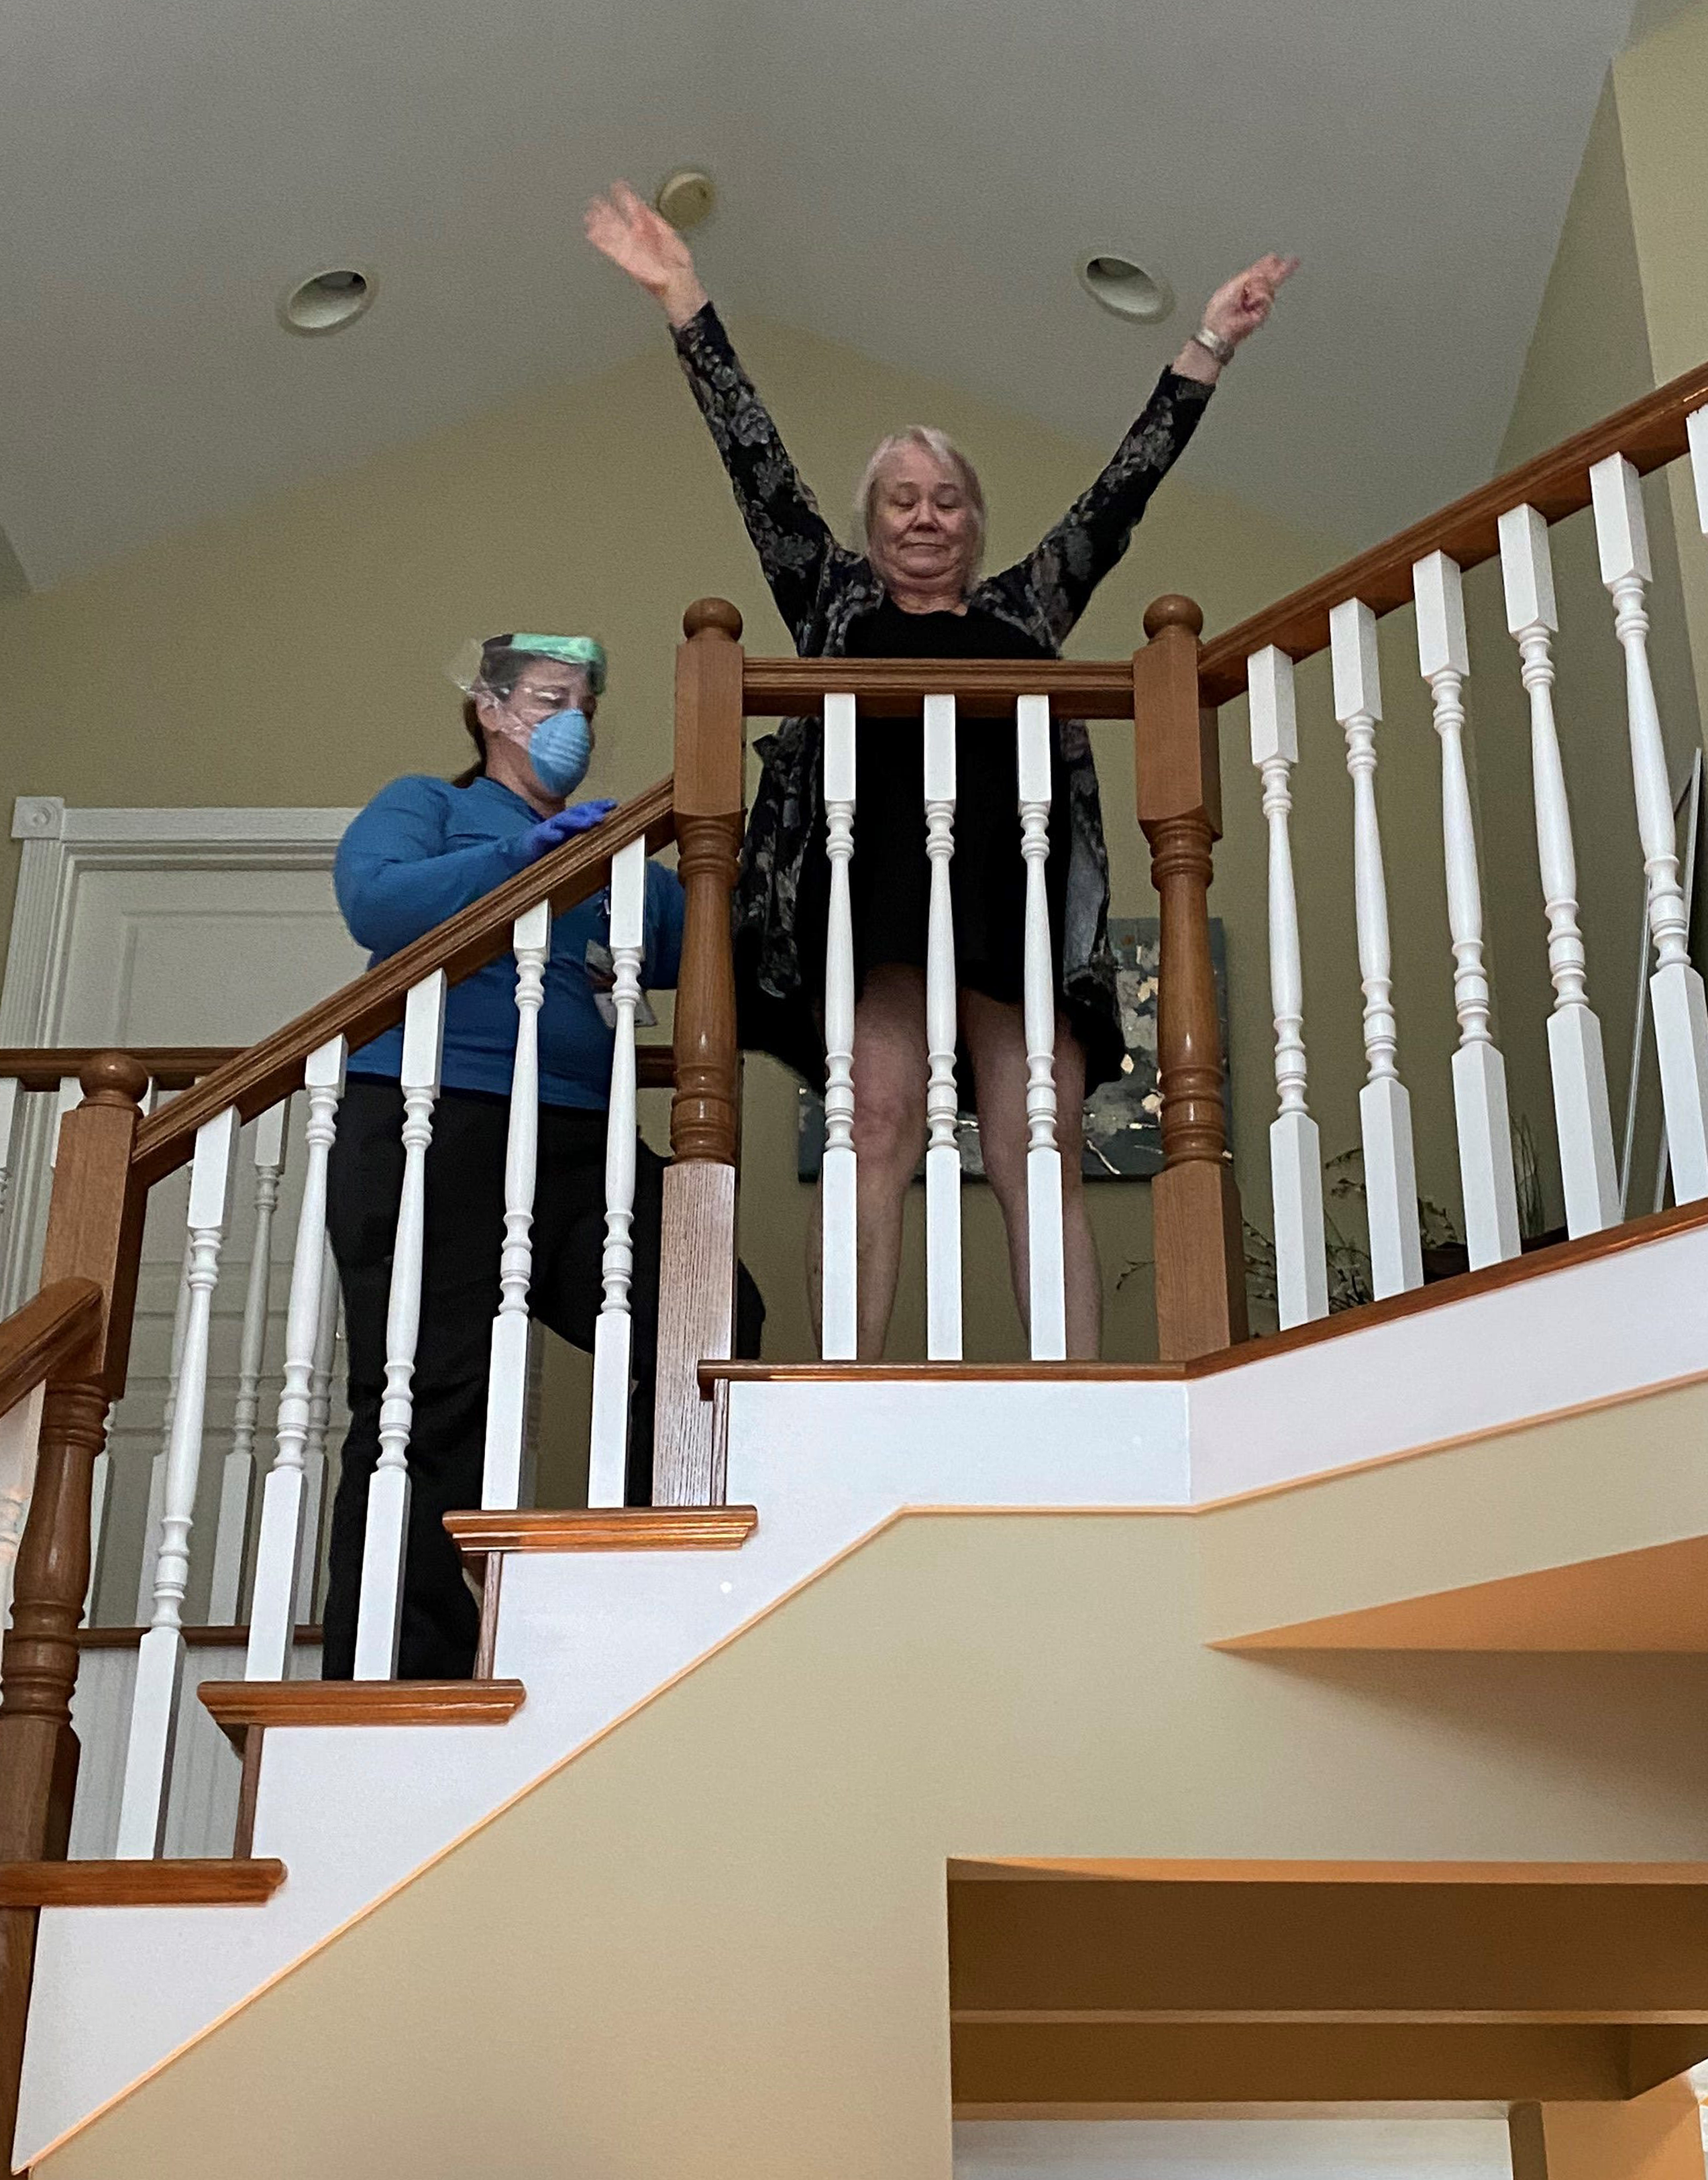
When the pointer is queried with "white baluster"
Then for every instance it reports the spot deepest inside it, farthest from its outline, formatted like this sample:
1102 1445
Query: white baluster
1675 989
943 1148
1480 1073
11 1104
385 1540
613 1335
237 1480
160 1655
1384 1104
507 1378
840 1311
156 1474
1047 1281
1692 827
1697 427
273 1606
314 1447
20 1426
1295 1175
1582 1117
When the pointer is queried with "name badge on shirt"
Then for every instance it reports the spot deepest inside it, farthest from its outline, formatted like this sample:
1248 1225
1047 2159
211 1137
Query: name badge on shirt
602 976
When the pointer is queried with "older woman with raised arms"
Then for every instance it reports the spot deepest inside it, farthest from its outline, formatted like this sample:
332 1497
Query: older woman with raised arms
914 592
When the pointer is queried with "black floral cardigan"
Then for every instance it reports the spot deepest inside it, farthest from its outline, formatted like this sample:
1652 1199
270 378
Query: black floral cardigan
821 589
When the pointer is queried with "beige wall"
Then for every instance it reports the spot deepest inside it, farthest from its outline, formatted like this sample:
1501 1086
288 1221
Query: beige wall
714 1944
1562 1493
294 654
1662 87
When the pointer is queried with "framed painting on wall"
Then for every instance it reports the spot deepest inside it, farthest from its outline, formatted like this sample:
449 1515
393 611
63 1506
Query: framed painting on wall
1123 1118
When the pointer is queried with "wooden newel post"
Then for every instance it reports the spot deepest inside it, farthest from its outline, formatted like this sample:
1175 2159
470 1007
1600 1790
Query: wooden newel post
1200 1257
697 1275
94 1232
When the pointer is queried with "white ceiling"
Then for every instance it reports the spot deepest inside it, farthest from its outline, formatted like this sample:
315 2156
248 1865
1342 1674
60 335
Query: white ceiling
916 180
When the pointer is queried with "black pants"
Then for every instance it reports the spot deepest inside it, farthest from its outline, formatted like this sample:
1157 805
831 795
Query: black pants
460 1299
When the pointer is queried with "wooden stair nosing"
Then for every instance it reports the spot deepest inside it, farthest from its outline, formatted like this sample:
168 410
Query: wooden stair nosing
237 1706
209 1881
604 1529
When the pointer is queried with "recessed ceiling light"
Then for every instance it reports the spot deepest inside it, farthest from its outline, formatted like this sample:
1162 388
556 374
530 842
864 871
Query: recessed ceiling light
326 302
686 198
1123 286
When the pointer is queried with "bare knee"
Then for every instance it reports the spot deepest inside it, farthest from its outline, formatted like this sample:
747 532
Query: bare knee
889 1125
889 1070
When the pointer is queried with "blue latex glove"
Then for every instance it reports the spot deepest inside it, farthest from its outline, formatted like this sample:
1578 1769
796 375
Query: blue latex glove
551 832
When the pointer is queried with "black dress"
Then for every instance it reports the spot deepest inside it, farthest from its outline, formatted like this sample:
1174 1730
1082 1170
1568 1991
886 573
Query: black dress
889 878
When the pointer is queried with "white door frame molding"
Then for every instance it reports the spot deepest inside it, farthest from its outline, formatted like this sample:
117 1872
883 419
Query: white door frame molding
62 845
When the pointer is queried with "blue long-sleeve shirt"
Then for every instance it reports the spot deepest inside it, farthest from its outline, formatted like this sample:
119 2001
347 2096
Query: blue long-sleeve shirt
424 849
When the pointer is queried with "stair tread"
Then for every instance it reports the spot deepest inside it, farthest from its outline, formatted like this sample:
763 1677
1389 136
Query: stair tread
205 1881
238 1705
604 1529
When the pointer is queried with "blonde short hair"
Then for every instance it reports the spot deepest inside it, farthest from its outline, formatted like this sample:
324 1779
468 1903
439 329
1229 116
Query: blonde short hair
942 450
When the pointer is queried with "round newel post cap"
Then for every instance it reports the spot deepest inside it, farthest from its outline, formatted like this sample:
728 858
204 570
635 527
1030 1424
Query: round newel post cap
1173 611
114 1078
713 617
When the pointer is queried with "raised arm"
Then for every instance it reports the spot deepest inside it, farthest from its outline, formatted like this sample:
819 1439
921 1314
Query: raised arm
792 537
1057 578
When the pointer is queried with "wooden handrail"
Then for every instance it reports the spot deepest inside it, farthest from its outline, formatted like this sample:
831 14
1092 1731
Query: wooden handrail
268 1071
176 1066
1649 432
167 1066
982 688
44 1336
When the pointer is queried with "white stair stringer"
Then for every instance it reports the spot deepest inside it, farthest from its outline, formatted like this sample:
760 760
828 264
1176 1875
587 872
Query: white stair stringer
355 1812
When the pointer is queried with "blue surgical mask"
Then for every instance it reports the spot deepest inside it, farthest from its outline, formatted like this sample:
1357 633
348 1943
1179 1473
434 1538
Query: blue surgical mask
560 749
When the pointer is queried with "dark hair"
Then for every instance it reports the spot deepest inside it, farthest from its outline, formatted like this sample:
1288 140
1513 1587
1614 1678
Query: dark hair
501 668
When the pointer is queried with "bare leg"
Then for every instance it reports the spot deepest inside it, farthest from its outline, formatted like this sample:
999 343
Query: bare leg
996 1036
890 1072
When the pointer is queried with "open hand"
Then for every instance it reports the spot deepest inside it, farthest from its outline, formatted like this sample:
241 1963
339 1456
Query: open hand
642 243
1239 307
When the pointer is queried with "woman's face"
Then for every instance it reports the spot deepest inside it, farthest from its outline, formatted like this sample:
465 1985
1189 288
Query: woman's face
921 529
544 686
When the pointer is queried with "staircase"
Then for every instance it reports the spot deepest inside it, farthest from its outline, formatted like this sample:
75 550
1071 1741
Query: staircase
1133 1624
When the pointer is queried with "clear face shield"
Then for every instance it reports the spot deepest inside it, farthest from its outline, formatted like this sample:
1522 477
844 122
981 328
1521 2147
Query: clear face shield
540 693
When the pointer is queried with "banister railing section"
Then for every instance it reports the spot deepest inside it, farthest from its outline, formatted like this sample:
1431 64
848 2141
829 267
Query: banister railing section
64 1359
1599 470
375 1002
1649 432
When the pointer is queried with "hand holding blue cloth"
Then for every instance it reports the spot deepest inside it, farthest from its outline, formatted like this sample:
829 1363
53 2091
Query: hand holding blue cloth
551 832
